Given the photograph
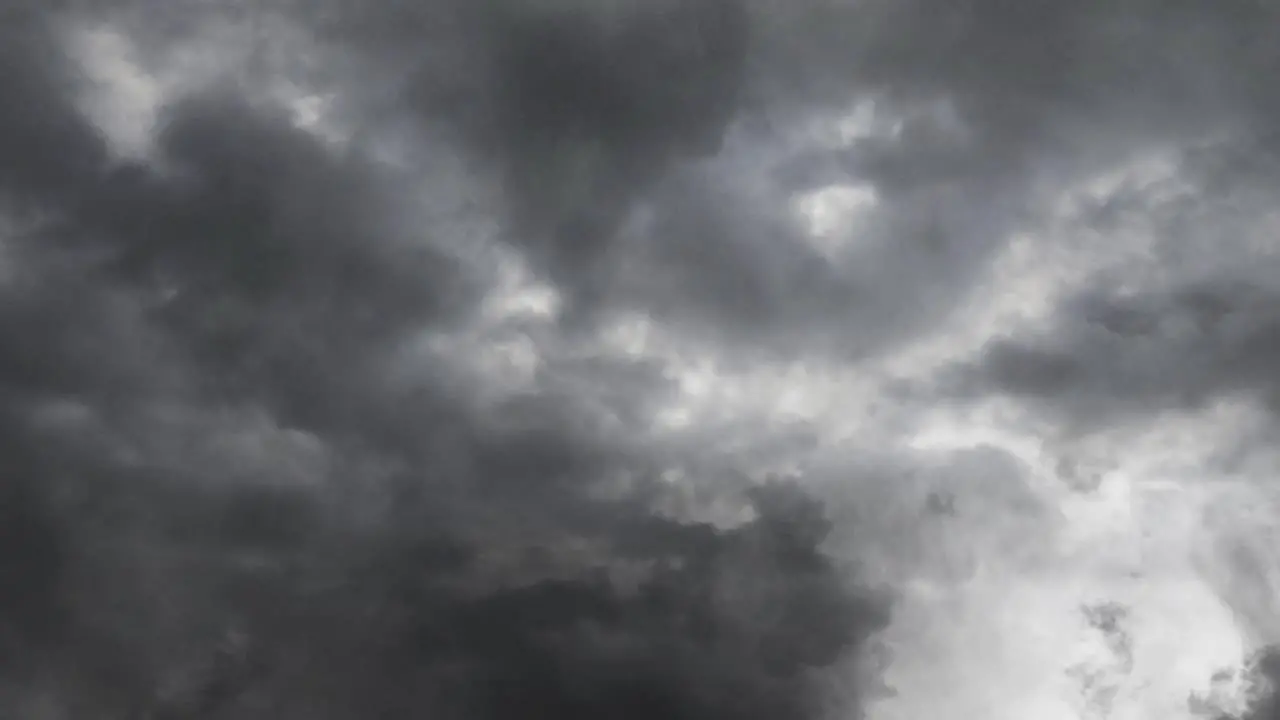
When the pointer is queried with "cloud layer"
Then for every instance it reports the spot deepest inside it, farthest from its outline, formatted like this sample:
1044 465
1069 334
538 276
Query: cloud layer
695 359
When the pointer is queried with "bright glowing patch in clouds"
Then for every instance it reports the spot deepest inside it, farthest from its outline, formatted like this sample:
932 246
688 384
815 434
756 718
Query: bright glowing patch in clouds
832 216
1133 543
124 99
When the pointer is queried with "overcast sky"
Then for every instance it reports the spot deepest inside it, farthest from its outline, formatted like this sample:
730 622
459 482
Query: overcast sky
632 359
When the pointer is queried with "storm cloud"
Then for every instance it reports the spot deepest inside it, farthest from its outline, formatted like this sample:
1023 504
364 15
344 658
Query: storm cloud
682 358
222 498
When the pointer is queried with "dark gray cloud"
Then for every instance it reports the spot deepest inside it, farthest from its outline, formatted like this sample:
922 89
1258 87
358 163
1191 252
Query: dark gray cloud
621 135
219 501
1262 678
999 107
226 496
1116 356
599 121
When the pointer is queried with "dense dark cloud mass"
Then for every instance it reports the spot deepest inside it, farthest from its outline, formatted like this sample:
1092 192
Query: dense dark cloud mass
1263 673
258 461
1116 356
219 500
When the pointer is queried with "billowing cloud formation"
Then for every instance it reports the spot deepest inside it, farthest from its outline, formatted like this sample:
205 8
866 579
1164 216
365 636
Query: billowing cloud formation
443 357
239 484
